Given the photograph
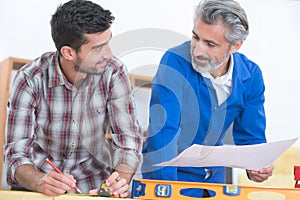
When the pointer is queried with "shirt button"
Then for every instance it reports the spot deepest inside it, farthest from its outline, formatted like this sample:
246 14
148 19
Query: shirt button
98 110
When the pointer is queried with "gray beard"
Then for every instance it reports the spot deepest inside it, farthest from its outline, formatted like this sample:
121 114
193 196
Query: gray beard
210 66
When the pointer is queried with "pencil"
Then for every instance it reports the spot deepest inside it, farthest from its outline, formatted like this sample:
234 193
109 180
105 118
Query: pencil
60 172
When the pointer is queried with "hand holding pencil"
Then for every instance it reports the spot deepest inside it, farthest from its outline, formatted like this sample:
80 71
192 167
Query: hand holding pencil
60 172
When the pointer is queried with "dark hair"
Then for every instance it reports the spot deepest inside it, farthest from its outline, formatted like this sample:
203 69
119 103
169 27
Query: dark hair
227 12
74 19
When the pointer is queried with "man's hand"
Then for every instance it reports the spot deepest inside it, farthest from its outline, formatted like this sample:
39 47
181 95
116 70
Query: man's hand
52 183
117 186
260 175
55 184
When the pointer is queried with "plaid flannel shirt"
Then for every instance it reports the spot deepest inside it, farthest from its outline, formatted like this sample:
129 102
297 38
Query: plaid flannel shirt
50 118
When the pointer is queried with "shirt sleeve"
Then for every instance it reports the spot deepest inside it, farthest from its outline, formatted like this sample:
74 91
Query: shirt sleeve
249 126
126 131
20 125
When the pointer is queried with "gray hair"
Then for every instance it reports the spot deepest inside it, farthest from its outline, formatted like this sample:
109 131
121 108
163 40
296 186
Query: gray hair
227 12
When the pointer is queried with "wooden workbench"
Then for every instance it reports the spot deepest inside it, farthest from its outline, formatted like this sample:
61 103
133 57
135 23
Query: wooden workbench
19 195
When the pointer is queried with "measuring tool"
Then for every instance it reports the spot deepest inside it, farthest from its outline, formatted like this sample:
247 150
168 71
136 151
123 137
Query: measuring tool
104 190
160 189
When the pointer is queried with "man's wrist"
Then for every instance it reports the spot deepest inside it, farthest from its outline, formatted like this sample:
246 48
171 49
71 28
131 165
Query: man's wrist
125 171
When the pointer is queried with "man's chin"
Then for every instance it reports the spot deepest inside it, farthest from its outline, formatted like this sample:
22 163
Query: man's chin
201 69
96 73
92 72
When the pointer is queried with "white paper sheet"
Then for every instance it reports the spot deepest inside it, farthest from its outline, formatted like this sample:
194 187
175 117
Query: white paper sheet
252 157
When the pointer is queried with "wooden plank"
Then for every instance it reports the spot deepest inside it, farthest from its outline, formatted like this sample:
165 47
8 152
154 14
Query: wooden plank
5 71
16 195
82 197
140 80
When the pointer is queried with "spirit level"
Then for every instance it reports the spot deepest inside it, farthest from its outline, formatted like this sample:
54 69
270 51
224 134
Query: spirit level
160 189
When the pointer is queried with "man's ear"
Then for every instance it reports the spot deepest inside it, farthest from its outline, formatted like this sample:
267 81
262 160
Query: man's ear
235 47
68 53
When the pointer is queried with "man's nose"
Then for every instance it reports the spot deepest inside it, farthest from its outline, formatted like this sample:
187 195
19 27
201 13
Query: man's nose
199 48
107 54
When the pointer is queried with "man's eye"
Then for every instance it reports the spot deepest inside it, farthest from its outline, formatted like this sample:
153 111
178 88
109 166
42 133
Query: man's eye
98 50
210 44
195 37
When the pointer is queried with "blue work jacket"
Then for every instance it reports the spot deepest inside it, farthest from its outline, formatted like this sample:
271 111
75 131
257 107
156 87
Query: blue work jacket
184 110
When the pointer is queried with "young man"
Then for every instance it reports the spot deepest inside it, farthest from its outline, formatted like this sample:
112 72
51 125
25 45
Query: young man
60 107
200 89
